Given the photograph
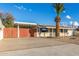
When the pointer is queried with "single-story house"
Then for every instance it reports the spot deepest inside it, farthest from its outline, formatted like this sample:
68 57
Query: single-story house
49 31
26 29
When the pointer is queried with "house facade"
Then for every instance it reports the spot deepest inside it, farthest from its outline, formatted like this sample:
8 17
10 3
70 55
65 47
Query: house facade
26 29
49 31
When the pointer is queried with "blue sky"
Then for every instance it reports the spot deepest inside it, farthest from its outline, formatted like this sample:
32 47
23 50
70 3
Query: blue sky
41 13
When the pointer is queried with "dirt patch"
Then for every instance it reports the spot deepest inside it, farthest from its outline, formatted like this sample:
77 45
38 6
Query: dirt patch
73 39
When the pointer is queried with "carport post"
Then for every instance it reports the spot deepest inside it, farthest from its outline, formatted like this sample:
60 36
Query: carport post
18 31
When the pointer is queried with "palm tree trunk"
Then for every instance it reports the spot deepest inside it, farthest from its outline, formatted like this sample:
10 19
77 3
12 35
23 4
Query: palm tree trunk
57 20
57 29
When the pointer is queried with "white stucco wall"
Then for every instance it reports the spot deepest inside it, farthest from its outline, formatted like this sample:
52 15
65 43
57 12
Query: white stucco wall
47 34
70 32
1 33
1 29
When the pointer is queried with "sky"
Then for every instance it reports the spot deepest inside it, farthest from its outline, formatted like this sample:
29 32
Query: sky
41 13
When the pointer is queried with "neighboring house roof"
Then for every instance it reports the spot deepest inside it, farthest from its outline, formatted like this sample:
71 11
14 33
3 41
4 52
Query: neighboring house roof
26 23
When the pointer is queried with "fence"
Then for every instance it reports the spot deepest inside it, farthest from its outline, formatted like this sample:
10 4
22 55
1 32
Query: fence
13 33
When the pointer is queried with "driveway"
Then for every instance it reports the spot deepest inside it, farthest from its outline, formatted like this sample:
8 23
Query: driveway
62 50
37 46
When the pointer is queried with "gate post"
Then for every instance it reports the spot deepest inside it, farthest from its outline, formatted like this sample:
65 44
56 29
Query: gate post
18 31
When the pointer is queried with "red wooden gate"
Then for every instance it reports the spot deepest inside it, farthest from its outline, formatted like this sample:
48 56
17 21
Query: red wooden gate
13 32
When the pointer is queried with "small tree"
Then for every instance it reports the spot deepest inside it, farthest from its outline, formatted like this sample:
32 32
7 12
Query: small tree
1 15
2 18
8 20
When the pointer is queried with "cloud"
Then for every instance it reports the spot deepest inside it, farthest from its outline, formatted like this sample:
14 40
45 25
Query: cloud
18 7
75 23
24 8
30 9
21 7
71 22
64 11
68 16
15 6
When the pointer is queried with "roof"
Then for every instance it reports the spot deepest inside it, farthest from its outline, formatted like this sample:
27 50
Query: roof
50 26
26 23
41 25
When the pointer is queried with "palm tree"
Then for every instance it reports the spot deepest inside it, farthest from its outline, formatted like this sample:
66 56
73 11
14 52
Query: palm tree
59 7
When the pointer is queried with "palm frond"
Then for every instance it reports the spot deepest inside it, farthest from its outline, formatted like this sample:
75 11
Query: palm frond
59 7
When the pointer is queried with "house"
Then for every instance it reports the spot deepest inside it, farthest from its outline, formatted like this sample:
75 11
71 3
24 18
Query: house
77 32
49 31
27 29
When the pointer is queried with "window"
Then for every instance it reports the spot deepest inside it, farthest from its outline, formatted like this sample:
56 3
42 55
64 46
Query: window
65 30
61 30
50 29
43 29
54 30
